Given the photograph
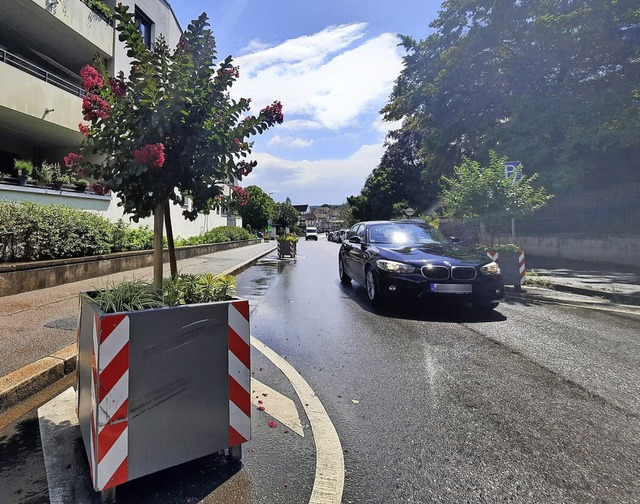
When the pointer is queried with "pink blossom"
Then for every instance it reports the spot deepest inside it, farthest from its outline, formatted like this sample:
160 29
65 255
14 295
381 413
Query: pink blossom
273 424
241 195
91 78
244 168
94 107
72 159
273 113
118 86
84 129
151 154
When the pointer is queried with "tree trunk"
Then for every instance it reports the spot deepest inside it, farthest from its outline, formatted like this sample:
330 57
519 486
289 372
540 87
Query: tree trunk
172 250
157 245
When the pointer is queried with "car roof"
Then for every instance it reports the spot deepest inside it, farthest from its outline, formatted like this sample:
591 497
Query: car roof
400 221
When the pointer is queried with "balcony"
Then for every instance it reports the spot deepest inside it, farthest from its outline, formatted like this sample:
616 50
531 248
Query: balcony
37 108
65 34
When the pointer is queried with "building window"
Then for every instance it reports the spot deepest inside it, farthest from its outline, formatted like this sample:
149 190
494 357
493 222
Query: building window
144 24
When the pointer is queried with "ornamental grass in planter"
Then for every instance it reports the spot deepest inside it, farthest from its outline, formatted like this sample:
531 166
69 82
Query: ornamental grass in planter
170 382
287 245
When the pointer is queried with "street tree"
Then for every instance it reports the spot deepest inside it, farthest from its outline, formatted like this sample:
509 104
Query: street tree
286 215
485 192
398 178
259 209
169 130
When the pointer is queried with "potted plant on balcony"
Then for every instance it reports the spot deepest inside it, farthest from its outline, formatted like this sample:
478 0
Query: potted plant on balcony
24 169
81 184
58 177
147 420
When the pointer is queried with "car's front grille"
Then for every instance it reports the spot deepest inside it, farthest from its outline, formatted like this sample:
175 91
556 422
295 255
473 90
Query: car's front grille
435 272
463 273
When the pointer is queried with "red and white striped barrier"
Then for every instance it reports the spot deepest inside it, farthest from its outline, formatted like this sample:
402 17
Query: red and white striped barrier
239 374
521 266
109 401
109 404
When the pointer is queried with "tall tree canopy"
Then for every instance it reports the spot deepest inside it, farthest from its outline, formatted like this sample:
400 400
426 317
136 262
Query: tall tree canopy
399 179
556 83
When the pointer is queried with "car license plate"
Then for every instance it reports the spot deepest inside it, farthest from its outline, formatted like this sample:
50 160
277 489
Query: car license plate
452 288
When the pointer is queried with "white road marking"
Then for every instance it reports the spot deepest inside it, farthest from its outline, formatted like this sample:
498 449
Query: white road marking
277 405
329 478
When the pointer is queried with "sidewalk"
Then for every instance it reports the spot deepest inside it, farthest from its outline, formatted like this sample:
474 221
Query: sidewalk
38 328
620 285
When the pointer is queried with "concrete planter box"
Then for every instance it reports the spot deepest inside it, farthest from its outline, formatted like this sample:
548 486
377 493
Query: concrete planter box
157 388
286 247
512 266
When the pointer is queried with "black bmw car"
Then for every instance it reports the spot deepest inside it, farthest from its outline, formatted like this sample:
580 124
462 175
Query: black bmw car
411 258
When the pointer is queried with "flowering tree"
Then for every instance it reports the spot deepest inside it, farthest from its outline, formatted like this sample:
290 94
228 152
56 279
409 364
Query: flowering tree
170 129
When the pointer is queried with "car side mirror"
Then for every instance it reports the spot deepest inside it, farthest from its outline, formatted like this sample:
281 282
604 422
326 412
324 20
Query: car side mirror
455 240
355 239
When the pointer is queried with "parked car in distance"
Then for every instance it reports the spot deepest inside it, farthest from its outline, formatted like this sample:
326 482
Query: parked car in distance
410 258
342 233
311 233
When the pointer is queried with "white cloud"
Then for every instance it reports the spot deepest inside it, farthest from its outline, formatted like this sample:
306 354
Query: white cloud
325 77
331 84
315 181
289 142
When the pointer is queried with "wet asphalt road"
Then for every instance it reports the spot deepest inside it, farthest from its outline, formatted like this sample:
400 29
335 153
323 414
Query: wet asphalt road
533 403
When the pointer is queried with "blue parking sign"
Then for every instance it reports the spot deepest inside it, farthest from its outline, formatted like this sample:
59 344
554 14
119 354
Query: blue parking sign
513 169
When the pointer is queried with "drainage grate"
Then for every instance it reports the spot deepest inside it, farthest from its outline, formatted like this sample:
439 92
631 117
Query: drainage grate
66 324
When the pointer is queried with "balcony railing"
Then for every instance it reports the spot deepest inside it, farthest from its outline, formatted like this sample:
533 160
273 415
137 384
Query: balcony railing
30 68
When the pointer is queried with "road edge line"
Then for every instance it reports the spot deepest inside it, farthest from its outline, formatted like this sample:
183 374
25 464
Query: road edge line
328 484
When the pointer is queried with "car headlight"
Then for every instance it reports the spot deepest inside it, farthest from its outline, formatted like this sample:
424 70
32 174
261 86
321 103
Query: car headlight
394 267
490 269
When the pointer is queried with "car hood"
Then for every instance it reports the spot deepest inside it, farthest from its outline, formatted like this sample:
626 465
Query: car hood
434 252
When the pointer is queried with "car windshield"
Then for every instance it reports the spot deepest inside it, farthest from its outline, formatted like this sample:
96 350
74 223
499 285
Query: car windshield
404 234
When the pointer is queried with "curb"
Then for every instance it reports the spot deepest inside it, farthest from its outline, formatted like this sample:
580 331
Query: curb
22 383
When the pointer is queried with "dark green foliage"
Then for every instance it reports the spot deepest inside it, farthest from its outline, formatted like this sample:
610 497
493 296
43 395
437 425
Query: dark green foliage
286 216
41 232
35 232
553 82
125 238
216 235
258 210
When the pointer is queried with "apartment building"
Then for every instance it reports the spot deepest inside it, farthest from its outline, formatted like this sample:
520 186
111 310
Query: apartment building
43 46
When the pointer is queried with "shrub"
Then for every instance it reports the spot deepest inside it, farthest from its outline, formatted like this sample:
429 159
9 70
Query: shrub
124 238
42 232
23 167
216 235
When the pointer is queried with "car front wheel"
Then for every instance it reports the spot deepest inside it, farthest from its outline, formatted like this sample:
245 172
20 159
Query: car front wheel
344 278
372 286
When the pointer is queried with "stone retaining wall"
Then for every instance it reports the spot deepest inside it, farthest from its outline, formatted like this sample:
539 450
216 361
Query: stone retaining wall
27 276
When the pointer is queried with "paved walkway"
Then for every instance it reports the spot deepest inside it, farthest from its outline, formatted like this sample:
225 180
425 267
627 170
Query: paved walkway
38 328
616 284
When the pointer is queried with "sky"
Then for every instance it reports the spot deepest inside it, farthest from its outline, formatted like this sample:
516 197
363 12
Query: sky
332 64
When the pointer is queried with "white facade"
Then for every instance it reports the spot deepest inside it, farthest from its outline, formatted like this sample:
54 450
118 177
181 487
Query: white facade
43 46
